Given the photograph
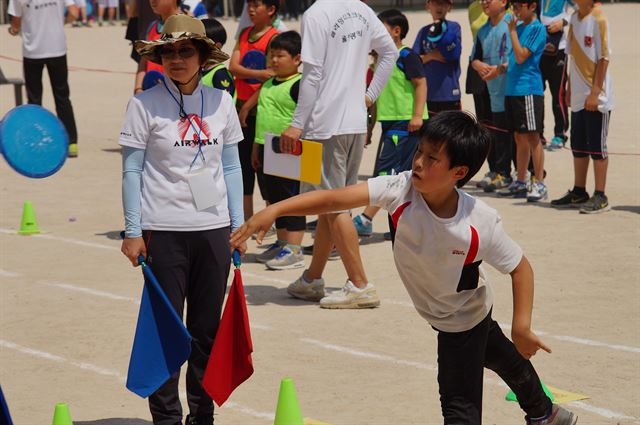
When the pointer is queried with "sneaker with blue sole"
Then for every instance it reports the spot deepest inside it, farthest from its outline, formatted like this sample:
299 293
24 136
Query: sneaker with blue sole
537 192
271 252
363 229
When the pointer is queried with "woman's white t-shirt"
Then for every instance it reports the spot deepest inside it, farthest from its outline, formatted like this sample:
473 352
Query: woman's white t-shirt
152 122
439 259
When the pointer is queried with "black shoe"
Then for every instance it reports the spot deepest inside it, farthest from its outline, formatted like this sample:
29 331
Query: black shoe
596 204
571 199
199 420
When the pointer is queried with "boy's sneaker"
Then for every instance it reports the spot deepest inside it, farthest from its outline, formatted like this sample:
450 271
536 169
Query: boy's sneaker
537 192
596 204
498 182
516 189
571 199
195 420
286 259
488 178
559 416
364 226
556 143
308 291
352 297
271 252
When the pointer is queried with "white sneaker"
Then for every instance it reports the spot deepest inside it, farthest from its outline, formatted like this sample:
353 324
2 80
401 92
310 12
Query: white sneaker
308 291
271 252
537 192
351 296
287 259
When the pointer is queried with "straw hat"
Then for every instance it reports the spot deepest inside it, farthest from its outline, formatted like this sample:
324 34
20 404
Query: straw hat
176 28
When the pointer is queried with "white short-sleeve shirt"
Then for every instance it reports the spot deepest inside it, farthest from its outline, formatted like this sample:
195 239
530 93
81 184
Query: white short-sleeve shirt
587 43
42 26
152 122
338 35
439 259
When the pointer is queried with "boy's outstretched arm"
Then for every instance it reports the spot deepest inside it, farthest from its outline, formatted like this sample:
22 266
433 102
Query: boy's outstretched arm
526 342
316 202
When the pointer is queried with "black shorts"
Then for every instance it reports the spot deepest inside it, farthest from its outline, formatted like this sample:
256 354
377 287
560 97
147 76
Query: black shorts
589 131
525 113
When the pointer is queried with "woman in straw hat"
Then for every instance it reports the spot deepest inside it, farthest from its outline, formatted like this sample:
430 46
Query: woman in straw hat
182 194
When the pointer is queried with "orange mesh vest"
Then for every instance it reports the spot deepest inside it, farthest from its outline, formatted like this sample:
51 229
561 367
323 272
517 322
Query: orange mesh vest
244 89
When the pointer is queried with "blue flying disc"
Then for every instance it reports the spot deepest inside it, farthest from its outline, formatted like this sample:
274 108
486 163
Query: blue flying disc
33 141
152 78
254 59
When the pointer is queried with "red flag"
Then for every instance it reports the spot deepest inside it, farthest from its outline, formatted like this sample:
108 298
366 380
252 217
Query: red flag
230 360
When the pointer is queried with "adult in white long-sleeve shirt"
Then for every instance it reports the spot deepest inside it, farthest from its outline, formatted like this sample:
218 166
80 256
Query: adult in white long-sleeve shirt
337 36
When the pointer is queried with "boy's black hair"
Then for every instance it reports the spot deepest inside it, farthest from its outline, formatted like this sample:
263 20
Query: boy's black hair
288 41
215 31
395 18
465 140
269 3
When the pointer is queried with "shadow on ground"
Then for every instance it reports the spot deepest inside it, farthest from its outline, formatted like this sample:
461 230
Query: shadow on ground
266 294
114 235
114 421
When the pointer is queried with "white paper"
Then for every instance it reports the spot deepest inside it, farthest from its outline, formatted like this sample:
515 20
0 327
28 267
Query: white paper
204 190
280 164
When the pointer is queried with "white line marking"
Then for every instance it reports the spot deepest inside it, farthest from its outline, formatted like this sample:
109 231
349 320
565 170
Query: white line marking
66 240
610 414
59 359
91 291
5 273
600 411
108 372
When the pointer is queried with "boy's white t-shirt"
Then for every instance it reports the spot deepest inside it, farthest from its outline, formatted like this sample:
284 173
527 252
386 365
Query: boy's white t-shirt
338 35
439 259
152 122
42 27
587 43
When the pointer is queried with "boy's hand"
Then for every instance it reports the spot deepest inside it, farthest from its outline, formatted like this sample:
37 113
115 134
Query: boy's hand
415 124
513 23
289 138
368 101
258 224
591 102
493 73
527 343
256 163
242 248
132 248
481 68
555 27
265 74
433 55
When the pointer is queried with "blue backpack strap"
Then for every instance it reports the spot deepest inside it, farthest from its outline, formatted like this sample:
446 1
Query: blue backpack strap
404 52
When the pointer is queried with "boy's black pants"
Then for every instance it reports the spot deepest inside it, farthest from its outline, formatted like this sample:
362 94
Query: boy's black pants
58 75
462 357
501 153
191 266
554 72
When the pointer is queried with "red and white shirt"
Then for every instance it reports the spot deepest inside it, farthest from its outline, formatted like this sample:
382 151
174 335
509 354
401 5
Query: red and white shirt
439 259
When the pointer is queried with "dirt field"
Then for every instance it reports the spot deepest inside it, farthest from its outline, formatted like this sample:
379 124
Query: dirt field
69 299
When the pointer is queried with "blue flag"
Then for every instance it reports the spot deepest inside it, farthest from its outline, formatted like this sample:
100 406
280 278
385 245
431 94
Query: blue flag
161 344
5 417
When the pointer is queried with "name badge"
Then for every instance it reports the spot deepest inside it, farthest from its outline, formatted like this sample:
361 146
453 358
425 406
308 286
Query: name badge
203 189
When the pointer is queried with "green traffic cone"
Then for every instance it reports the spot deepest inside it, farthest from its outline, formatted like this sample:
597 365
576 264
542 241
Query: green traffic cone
29 224
288 410
512 397
61 415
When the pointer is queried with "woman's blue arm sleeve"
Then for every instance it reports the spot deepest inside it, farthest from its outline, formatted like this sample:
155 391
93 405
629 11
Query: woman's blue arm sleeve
233 180
132 163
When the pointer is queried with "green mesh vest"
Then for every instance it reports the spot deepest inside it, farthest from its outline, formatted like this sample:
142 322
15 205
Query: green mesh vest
207 79
275 107
395 103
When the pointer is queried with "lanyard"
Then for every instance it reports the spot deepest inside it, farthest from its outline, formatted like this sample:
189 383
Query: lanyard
183 115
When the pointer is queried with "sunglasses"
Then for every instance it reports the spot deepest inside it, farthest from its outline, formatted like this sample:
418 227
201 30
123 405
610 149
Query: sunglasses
184 52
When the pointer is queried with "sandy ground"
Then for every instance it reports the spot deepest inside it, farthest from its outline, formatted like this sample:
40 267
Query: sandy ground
69 298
